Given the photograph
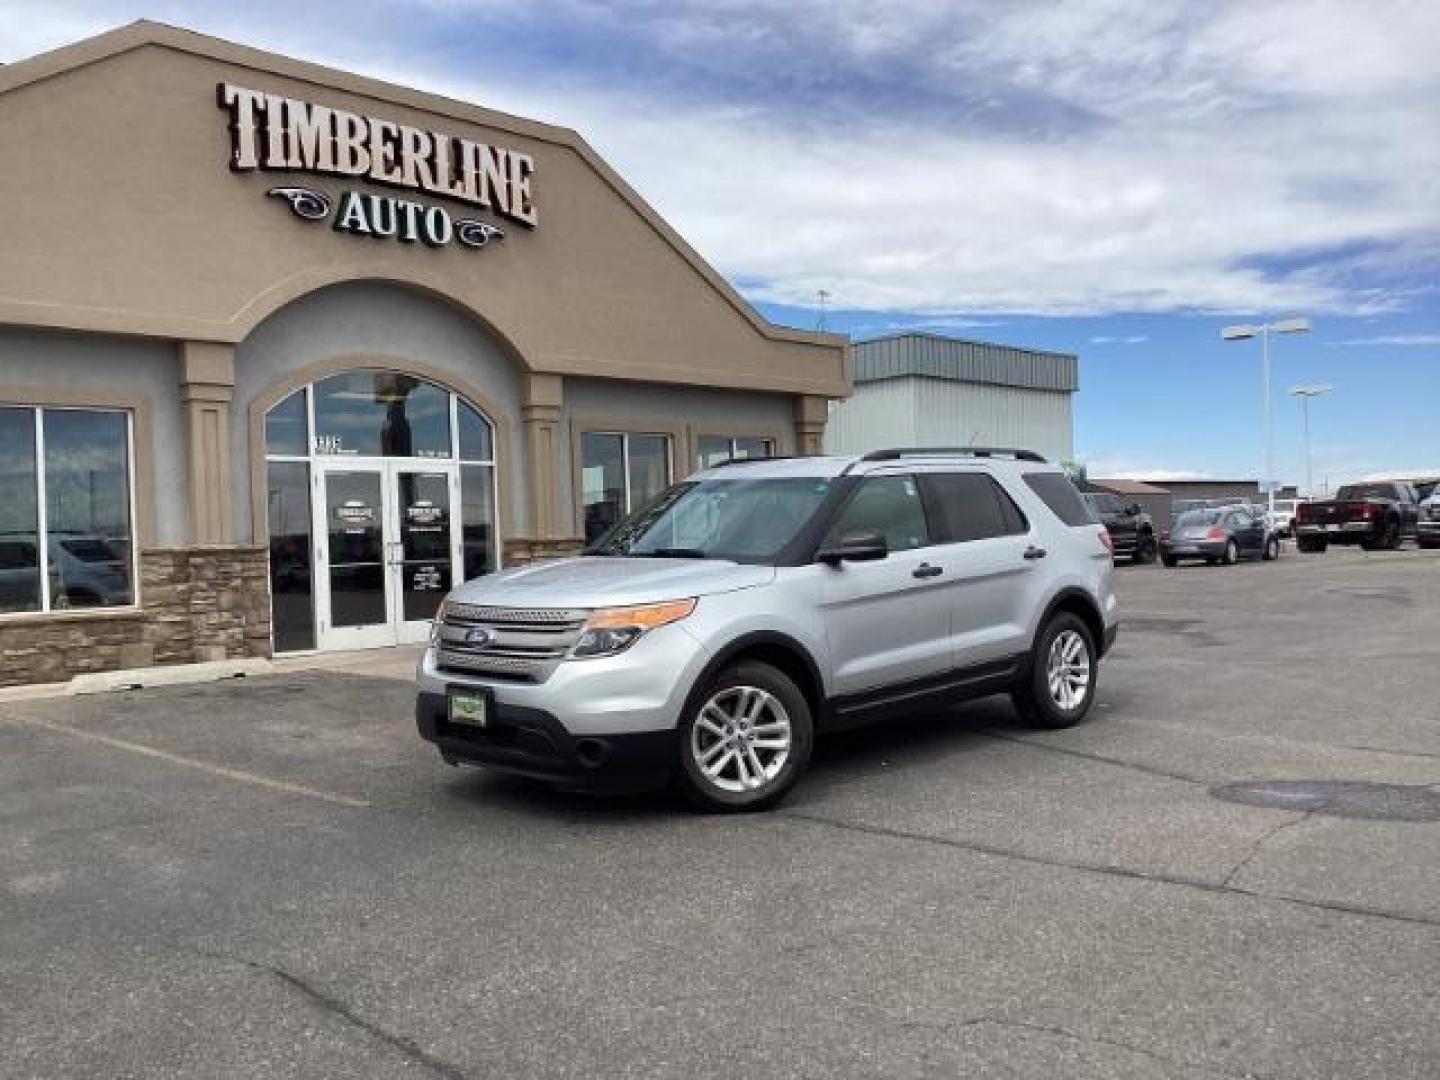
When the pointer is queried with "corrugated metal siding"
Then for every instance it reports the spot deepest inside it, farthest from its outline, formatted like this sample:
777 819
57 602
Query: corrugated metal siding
960 414
963 361
938 412
875 416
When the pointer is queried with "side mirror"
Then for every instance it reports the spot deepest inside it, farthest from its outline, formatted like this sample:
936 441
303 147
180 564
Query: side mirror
855 547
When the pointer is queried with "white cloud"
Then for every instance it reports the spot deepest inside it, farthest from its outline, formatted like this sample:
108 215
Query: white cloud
943 158
1401 340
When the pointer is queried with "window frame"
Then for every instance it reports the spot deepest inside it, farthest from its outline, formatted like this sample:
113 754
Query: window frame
42 512
732 438
928 486
927 510
580 429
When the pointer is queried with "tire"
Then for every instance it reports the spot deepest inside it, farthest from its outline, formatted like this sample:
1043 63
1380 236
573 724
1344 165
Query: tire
1041 703
1144 549
1427 545
1232 553
1394 535
1170 561
1272 549
719 727
1311 546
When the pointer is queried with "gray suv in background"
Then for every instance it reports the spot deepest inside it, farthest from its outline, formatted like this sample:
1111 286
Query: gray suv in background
713 634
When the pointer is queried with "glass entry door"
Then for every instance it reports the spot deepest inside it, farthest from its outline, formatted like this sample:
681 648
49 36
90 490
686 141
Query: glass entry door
387 550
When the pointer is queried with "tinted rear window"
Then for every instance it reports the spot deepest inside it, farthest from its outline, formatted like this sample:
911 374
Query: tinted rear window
973 506
1195 518
1060 495
1366 491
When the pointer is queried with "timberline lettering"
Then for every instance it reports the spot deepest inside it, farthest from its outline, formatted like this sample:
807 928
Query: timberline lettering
271 132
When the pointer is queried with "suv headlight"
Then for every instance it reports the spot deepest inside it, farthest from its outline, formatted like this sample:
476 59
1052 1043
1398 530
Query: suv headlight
612 630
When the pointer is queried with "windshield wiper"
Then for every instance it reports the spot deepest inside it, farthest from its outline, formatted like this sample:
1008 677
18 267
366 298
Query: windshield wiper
669 553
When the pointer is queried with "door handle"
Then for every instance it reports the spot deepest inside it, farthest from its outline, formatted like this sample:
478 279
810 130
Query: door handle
925 570
1032 552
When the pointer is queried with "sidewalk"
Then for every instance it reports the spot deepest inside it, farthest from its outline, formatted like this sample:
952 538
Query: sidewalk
397 662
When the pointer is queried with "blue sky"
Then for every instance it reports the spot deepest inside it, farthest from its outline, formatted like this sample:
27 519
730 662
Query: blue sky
1116 178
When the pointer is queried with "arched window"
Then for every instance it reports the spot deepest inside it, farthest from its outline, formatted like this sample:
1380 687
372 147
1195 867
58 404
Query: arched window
367 416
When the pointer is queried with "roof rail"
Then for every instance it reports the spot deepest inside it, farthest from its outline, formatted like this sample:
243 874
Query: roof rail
751 460
896 453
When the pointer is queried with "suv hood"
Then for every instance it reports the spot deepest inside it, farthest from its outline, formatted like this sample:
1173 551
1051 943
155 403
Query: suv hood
604 581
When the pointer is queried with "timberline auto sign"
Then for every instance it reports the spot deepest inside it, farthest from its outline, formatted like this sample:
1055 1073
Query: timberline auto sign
273 133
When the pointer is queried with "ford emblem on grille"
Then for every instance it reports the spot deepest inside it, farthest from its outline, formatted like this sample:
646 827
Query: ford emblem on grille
479 636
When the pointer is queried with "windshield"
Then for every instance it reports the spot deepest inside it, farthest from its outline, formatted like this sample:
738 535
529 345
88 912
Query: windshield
1197 518
739 520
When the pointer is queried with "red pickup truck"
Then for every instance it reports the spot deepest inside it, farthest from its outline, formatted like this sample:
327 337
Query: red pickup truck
1373 515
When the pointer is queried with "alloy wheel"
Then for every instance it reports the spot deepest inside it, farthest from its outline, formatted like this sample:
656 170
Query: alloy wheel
1067 669
741 739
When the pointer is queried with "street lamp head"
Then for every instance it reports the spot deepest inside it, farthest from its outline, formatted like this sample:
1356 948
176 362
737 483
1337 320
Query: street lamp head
1311 390
1284 326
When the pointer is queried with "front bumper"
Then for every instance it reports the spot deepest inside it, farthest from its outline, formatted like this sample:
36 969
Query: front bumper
532 742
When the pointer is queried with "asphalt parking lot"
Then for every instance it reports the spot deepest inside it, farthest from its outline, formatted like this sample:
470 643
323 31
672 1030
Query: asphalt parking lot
277 878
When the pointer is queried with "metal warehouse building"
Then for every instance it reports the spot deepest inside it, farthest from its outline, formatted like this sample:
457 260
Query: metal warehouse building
917 389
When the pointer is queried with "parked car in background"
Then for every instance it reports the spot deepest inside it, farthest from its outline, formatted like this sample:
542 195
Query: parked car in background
1131 529
1221 535
1282 519
1427 524
85 571
1376 515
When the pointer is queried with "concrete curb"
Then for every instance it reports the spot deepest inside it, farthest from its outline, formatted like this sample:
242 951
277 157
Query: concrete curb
101 682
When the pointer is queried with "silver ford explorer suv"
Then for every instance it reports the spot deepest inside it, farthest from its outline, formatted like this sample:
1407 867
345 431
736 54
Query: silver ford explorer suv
711 636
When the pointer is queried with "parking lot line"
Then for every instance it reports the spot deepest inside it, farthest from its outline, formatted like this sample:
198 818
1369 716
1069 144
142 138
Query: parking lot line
192 763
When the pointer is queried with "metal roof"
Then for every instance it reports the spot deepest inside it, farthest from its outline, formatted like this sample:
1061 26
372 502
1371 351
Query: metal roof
1129 487
933 356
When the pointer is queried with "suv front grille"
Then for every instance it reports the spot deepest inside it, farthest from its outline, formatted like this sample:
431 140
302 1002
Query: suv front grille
523 644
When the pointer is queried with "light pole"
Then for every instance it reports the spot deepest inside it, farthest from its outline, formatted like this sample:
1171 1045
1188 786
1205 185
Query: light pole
1305 393
1263 332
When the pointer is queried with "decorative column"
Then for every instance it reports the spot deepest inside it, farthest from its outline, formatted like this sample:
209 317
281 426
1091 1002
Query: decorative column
207 381
540 407
811 413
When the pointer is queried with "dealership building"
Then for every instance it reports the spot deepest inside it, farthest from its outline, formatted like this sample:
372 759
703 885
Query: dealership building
286 352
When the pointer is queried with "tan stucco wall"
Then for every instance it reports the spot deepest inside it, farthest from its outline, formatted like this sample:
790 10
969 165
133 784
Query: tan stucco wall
100 371
374 325
122 215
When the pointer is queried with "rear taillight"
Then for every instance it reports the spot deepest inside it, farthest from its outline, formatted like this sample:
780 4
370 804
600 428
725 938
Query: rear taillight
1107 540
1216 533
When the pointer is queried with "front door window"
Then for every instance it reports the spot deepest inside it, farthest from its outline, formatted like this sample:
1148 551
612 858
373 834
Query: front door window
426 544
355 537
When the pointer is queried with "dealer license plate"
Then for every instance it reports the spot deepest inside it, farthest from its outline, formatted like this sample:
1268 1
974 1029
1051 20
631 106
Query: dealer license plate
469 709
